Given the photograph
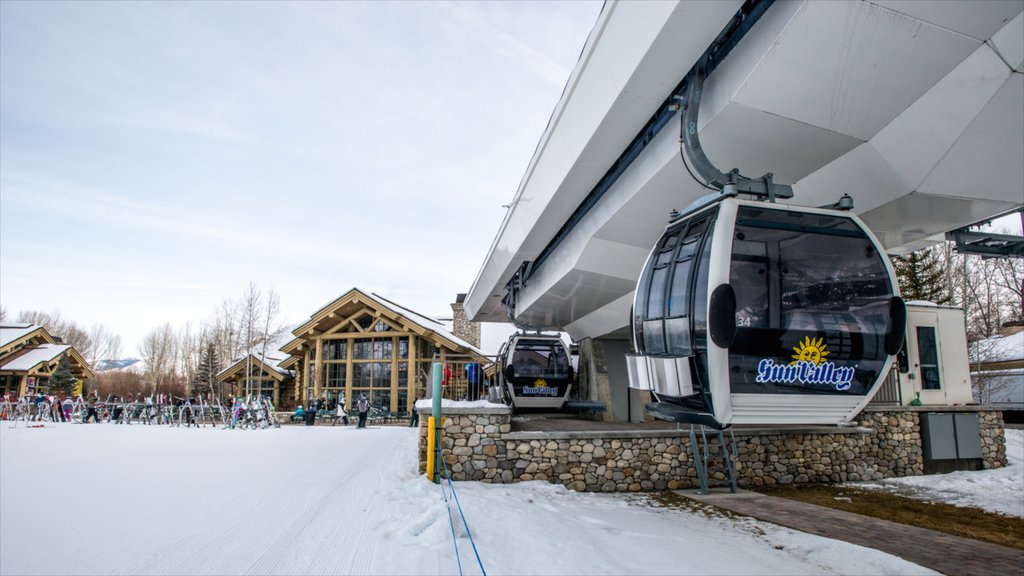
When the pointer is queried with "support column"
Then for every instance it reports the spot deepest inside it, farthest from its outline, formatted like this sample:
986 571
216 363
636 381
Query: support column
319 367
410 376
603 377
348 373
394 374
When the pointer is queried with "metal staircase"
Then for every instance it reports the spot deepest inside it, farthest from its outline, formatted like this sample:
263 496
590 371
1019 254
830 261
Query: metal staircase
703 455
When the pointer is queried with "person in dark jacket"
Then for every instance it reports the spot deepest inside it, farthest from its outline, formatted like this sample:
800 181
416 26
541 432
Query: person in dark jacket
311 414
363 407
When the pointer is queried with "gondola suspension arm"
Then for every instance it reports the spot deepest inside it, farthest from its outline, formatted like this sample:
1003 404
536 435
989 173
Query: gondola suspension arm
731 182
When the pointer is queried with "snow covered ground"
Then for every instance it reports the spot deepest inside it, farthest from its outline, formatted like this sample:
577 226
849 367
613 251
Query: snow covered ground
106 499
1000 490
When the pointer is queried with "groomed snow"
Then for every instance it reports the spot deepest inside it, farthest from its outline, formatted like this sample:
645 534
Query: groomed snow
107 499
1000 490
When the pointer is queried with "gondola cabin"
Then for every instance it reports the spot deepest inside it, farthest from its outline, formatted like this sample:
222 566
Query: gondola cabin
535 370
753 312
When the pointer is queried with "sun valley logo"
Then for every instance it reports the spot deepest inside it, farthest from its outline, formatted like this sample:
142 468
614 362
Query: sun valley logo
540 388
808 367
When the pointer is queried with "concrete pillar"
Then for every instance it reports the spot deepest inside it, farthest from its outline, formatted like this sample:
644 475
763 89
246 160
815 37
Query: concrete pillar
603 377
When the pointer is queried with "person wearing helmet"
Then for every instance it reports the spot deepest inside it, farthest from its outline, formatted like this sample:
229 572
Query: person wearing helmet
363 407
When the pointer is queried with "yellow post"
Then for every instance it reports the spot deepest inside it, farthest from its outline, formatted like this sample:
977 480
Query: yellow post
431 446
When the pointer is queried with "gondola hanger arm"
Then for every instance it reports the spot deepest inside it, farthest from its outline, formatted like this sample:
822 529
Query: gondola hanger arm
731 182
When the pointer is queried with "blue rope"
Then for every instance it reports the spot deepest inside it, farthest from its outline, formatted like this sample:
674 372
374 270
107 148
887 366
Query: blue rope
451 487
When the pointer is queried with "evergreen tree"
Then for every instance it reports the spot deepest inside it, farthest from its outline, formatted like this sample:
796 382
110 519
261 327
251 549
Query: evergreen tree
922 276
62 381
206 372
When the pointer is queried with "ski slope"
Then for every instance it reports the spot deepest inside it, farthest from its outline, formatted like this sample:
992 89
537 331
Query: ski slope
107 499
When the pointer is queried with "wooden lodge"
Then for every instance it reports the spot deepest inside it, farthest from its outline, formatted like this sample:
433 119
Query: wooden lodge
364 343
28 357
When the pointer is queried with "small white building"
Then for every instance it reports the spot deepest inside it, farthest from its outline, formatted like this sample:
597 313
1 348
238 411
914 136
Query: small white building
933 366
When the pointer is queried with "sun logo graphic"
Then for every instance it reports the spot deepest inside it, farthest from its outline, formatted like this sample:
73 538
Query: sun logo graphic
810 350
540 388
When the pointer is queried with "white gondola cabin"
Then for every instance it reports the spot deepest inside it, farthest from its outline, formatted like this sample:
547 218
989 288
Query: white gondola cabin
535 370
753 312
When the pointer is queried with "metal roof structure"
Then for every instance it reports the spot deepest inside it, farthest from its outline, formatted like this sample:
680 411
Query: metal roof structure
915 109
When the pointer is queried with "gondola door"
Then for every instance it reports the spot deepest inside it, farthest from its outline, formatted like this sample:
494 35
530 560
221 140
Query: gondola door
924 357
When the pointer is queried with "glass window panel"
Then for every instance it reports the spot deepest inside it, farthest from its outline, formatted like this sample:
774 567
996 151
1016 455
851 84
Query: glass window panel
381 326
335 375
361 374
382 349
362 349
540 359
335 349
654 339
381 375
928 355
808 288
678 303
678 332
380 400
403 347
699 314
656 298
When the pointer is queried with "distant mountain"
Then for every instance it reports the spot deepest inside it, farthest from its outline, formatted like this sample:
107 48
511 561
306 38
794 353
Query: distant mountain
125 363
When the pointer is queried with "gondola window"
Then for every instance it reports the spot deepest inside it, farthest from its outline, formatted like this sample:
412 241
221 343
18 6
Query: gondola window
812 304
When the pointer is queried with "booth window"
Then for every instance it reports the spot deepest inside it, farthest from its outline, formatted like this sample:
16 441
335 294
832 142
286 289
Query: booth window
928 356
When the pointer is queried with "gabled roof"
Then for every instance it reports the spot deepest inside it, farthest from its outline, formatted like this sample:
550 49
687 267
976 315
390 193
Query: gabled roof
350 304
269 365
1001 348
31 358
12 335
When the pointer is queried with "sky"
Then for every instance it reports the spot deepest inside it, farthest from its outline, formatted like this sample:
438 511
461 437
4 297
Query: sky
156 158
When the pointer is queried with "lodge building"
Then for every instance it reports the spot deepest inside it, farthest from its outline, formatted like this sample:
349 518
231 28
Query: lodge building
29 355
360 343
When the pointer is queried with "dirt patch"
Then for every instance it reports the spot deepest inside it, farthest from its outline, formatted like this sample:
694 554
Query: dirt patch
959 521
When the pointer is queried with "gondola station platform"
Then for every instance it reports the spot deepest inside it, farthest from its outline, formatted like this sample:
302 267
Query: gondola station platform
488 444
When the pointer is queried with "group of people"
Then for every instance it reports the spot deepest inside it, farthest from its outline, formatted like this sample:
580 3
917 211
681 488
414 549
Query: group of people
43 406
309 415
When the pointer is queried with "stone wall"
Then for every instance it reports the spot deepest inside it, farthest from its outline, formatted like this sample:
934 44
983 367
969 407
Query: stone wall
479 445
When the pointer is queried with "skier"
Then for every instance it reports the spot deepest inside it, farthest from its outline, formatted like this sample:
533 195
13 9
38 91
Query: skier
363 406
92 411
342 415
66 406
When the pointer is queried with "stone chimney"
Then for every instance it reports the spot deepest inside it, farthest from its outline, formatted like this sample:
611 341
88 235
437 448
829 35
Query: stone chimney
461 326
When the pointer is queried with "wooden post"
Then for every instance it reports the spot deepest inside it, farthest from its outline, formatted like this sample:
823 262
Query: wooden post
317 375
394 374
348 373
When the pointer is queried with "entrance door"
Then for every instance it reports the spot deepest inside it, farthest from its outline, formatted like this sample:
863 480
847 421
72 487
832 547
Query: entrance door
925 357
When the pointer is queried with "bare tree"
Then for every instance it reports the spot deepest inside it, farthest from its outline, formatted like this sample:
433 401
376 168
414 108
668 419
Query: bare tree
3 314
66 330
159 351
103 345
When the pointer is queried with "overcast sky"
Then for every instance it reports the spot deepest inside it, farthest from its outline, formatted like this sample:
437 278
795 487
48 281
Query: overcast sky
157 157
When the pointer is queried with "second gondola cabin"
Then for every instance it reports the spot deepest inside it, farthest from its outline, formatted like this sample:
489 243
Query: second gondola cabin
752 312
536 371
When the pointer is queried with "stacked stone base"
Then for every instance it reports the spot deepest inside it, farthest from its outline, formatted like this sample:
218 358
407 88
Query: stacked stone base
478 444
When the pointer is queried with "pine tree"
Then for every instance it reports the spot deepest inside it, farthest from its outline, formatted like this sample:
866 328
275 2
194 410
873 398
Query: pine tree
206 372
922 276
62 381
